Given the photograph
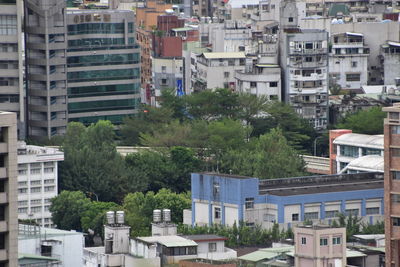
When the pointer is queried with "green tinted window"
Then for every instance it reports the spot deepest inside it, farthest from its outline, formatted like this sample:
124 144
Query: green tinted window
112 89
103 75
98 60
103 105
97 28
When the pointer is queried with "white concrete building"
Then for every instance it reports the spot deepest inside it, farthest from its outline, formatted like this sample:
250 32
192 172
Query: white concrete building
217 70
264 79
63 247
391 61
37 182
351 146
229 36
212 247
348 60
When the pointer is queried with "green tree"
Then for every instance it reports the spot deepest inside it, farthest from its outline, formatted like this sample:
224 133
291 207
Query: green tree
364 121
67 209
92 164
269 157
298 131
93 218
139 208
165 169
146 121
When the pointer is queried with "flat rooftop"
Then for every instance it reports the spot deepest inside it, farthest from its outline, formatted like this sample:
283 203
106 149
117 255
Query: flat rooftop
321 184
205 238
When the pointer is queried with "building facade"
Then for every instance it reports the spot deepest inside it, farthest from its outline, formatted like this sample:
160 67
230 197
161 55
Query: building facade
11 62
348 61
392 185
390 61
37 182
217 70
46 68
319 246
8 190
287 201
103 65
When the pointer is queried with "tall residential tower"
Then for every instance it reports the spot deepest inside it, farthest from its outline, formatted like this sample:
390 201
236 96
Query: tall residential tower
11 61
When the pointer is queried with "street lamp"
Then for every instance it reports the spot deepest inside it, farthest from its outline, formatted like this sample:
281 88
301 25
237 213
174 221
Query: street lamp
315 145
91 194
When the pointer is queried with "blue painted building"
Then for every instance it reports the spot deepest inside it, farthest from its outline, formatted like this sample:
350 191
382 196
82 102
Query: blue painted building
226 199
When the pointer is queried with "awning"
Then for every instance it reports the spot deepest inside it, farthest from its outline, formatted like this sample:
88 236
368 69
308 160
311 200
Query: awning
394 43
355 34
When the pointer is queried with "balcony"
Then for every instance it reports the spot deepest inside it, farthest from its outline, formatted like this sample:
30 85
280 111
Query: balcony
294 51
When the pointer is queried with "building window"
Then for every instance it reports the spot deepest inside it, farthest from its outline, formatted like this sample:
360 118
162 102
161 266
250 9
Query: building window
295 217
395 152
36 189
273 84
331 213
395 198
336 240
395 129
226 74
352 212
308 46
217 212
22 210
303 240
372 211
370 151
269 218
396 221
349 151
36 182
249 203
394 115
216 188
354 64
231 62
212 247
163 81
36 209
396 175
310 215
323 241
308 59
253 84
49 188
290 19
163 69
22 190
353 77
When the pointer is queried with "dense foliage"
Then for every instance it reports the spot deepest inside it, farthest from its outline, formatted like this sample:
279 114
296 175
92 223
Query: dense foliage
364 121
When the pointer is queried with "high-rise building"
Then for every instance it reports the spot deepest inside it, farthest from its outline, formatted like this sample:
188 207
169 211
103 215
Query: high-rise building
392 185
103 65
11 61
46 73
304 60
8 190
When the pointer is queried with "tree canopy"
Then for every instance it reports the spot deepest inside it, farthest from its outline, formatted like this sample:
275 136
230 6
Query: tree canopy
364 121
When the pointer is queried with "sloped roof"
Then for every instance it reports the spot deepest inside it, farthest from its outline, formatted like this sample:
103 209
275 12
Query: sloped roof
361 140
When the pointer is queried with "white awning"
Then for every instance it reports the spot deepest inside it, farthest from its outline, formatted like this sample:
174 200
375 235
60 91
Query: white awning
394 43
355 34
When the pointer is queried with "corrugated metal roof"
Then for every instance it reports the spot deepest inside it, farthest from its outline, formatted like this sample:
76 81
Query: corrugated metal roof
266 253
361 140
367 163
354 253
215 55
169 241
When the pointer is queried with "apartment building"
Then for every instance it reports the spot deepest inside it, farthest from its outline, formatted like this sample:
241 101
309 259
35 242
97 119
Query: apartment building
11 62
217 70
304 63
8 190
391 60
318 246
46 68
37 182
392 185
287 201
103 65
348 60
305 74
